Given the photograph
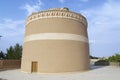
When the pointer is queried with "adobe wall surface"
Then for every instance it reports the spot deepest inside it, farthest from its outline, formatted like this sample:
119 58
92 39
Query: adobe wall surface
57 42
7 64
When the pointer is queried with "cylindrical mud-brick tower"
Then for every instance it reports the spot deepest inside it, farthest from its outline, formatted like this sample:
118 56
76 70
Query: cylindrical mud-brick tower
55 41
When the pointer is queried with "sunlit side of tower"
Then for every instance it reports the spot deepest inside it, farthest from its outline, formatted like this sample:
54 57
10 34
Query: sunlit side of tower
55 41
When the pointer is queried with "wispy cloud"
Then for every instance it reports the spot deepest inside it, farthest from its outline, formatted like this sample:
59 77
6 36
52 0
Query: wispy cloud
32 8
104 25
9 27
12 32
61 1
104 19
84 0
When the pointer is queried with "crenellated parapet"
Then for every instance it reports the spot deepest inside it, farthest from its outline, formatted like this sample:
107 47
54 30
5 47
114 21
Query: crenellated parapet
57 13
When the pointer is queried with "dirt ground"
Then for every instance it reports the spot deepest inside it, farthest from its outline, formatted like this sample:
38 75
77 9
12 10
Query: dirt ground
96 73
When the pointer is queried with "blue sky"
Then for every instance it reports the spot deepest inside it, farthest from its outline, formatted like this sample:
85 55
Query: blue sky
103 21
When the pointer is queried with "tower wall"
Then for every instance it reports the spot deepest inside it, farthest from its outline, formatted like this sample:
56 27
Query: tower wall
57 40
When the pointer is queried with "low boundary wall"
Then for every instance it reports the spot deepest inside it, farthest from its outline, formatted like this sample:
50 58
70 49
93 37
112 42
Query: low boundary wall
115 64
6 64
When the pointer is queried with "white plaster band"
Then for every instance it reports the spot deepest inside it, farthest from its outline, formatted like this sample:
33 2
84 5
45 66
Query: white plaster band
55 36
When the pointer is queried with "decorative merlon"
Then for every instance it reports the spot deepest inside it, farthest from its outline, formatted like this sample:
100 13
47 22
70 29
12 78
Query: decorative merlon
57 13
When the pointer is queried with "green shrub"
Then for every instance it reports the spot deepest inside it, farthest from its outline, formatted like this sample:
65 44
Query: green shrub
103 60
114 58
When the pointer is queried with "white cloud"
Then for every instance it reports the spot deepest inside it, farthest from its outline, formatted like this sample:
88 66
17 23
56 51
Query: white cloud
61 1
32 8
104 19
104 26
12 32
84 0
9 27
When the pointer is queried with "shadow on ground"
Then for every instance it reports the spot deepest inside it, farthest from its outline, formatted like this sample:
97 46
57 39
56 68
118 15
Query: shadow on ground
2 79
92 67
7 69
